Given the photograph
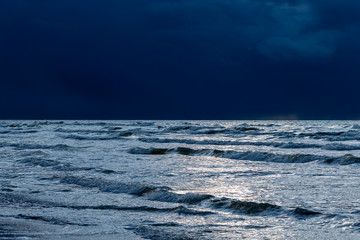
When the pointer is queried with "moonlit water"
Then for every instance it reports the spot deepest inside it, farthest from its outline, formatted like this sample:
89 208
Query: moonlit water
179 180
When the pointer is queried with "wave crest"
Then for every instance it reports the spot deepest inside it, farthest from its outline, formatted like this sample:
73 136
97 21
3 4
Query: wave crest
250 155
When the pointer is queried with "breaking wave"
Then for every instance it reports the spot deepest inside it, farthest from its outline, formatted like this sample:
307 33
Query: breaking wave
249 155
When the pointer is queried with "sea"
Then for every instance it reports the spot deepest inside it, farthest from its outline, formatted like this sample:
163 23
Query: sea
167 180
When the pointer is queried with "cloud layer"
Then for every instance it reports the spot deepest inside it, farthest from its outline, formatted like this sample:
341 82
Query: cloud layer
180 59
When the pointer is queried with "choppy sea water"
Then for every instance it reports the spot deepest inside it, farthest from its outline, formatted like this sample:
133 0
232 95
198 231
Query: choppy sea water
179 180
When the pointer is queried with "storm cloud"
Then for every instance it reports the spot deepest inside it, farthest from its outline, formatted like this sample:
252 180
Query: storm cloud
179 59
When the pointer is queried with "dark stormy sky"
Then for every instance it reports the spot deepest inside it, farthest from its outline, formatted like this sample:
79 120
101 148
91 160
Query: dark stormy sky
179 59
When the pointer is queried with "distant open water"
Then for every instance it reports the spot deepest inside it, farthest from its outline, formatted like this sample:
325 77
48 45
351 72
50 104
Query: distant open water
179 180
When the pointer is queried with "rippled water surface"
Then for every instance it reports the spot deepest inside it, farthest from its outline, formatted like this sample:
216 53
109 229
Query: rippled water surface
179 180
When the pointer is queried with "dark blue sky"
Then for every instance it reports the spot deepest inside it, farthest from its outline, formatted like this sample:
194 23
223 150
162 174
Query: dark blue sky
179 59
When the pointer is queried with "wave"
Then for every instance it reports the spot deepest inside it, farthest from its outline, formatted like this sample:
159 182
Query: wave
215 142
191 128
249 155
255 208
259 129
211 129
11 199
244 206
329 136
161 194
33 153
235 130
118 135
347 136
106 130
145 124
31 124
51 220
65 167
334 136
56 165
340 147
14 132
62 130
109 134
111 186
302 212
321 134
267 125
108 171
165 194
332 146
21 200
24 146
90 123
157 233
344 160
181 210
40 162
236 206
114 128
246 129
